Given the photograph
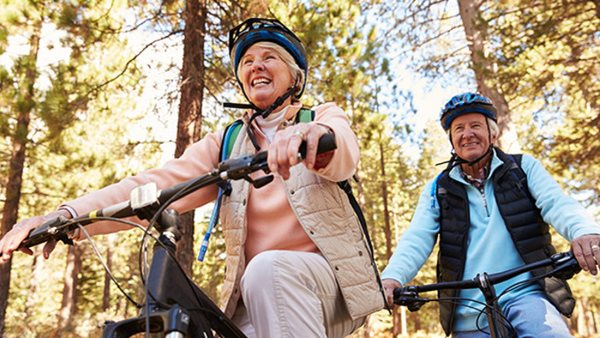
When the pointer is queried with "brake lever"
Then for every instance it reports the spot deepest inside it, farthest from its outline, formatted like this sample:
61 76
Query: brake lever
409 297
52 229
565 266
241 167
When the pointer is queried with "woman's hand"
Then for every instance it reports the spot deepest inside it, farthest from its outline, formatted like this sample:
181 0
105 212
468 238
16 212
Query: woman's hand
283 151
11 241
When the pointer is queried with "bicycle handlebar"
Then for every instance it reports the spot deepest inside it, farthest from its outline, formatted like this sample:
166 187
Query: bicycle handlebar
564 265
235 169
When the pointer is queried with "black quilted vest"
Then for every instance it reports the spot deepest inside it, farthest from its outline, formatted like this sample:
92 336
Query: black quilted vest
522 219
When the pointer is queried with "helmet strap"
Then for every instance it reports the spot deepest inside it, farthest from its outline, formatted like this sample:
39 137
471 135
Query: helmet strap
278 102
259 112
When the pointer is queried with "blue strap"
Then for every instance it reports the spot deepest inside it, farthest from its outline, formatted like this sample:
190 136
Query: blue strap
231 133
214 217
434 189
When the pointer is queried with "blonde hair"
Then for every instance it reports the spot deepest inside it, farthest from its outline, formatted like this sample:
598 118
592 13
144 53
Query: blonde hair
295 71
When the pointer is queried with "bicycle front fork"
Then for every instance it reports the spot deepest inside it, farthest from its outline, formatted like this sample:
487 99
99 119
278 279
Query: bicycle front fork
492 310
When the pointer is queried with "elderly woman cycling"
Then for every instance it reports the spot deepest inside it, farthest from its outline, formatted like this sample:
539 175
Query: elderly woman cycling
298 263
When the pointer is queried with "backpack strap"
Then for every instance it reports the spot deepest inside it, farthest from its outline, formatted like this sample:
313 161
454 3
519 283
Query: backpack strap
308 115
305 115
229 136
347 188
517 171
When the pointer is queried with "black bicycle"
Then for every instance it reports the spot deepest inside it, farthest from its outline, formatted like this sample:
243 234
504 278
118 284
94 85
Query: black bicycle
174 305
563 265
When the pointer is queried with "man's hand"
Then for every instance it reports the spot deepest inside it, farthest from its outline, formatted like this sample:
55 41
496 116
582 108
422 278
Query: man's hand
388 287
587 252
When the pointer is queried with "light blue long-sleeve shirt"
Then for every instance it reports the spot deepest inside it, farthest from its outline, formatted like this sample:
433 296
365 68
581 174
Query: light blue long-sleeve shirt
489 247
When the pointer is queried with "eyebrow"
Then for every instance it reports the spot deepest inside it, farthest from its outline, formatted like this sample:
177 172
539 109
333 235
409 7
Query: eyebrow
462 124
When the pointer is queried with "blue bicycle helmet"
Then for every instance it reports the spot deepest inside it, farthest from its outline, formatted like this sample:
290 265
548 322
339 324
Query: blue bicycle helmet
466 103
255 30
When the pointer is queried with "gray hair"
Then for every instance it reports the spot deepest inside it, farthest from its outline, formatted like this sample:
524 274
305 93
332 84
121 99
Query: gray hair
494 129
288 59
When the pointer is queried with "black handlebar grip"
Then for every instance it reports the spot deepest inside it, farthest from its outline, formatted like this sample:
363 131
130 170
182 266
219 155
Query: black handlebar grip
326 143
44 232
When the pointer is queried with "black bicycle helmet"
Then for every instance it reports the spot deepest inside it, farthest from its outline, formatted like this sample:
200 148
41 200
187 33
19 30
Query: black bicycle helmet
466 103
255 30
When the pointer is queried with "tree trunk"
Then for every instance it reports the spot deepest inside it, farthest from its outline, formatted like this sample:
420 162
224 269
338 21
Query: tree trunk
367 327
384 195
37 278
190 108
68 305
415 318
476 38
10 212
397 324
107 280
403 322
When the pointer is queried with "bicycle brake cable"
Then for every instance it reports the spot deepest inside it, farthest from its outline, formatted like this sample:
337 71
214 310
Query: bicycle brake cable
99 255
457 301
153 221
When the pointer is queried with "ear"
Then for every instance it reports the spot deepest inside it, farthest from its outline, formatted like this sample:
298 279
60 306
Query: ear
449 132
493 138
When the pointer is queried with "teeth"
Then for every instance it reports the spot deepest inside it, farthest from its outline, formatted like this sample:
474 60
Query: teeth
260 81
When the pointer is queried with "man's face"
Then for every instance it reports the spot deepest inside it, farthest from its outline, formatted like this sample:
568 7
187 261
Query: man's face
470 136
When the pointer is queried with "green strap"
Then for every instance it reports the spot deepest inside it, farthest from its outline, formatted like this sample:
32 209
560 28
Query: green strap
305 115
235 130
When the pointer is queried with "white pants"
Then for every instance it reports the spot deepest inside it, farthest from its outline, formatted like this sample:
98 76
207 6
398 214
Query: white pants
292 294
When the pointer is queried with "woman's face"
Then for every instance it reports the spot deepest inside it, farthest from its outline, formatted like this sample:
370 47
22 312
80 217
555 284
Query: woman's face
264 76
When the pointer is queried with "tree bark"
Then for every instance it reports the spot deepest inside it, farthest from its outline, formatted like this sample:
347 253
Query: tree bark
386 212
68 305
476 35
107 280
190 108
397 324
14 182
37 278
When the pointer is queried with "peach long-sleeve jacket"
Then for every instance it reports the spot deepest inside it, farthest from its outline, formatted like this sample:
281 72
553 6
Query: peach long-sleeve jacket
269 218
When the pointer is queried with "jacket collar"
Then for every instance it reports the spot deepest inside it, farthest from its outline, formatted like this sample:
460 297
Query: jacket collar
456 175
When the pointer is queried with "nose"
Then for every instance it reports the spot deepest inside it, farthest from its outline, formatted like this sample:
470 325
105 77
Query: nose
257 66
467 132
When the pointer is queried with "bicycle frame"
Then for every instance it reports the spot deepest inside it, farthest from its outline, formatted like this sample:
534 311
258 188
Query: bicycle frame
171 298
565 266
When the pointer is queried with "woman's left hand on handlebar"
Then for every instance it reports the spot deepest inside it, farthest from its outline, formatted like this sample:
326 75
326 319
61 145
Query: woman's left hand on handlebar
11 241
283 151
587 252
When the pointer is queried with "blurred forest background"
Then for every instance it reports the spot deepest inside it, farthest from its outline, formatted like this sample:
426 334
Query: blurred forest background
92 91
